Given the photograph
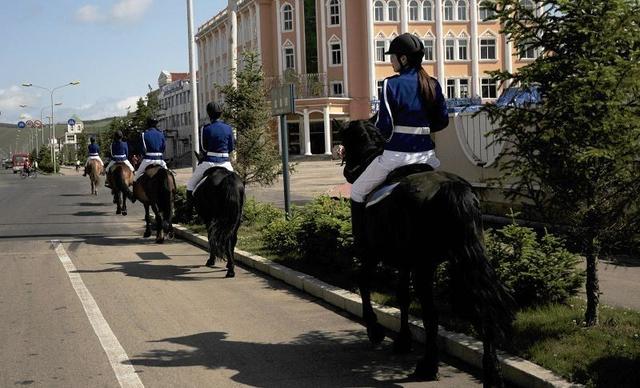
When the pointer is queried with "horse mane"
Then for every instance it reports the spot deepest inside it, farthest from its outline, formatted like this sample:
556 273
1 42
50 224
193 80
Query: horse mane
362 142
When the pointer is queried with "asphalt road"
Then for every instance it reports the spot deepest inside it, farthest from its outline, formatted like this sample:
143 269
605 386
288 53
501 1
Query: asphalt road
85 301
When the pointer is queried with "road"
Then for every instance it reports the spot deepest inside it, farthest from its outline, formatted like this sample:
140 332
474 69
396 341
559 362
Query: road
85 301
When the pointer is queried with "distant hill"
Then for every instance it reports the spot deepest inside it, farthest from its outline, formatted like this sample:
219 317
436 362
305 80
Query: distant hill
9 134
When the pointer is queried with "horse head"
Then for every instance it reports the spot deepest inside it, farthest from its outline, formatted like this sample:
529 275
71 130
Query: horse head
361 142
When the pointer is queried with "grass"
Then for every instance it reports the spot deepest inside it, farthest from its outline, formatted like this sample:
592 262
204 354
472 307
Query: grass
552 336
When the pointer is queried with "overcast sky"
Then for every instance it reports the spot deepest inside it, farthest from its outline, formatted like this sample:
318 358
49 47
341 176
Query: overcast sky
115 48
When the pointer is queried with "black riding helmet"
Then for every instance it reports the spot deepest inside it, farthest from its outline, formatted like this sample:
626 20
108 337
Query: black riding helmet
406 44
118 135
152 122
214 110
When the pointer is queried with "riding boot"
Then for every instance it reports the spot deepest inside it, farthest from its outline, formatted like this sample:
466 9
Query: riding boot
357 227
188 211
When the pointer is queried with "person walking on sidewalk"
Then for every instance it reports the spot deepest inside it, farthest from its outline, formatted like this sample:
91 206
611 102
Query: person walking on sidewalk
217 143
411 107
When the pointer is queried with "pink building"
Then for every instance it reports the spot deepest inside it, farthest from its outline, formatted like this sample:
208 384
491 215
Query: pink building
333 51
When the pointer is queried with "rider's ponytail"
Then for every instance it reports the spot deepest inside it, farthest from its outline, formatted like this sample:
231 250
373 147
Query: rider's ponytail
427 84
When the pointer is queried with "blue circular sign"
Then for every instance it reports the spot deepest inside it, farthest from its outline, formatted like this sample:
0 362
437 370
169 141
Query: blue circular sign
21 124
71 122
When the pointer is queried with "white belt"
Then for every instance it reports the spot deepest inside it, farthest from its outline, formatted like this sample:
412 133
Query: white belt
94 154
411 130
119 156
218 154
154 154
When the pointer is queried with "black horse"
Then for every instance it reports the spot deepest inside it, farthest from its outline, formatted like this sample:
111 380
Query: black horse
219 200
429 217
156 190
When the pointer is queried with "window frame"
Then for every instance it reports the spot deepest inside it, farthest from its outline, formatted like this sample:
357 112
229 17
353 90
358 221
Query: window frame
332 52
286 57
333 84
488 84
396 11
287 9
331 6
486 48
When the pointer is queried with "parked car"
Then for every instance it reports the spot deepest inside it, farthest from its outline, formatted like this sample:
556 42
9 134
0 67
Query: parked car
6 163
18 160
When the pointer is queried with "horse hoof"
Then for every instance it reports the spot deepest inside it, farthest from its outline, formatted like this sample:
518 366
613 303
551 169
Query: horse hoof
147 233
171 235
375 333
124 213
230 275
118 212
426 371
159 241
210 263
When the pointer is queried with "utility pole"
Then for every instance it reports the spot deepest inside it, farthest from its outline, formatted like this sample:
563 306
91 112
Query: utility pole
194 88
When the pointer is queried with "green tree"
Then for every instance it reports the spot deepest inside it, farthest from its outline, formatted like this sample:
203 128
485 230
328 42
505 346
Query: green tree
575 153
247 109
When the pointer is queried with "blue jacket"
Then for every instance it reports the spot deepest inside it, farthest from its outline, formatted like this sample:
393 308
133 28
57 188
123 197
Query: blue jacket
153 143
119 151
401 104
217 141
94 150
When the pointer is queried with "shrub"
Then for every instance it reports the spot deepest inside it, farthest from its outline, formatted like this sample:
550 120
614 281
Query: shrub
280 236
180 207
538 270
260 213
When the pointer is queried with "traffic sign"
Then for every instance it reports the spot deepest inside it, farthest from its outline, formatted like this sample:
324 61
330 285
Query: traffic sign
283 100
37 124
30 123
21 124
71 122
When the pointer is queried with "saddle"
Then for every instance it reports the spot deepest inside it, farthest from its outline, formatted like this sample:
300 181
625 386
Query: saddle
393 180
216 179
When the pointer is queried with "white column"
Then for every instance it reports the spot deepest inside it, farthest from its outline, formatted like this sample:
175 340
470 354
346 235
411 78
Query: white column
371 51
345 57
258 34
475 71
233 40
323 36
439 44
327 131
404 17
299 44
306 133
279 34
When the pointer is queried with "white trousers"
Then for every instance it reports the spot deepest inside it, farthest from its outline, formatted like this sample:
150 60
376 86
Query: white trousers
94 158
126 162
198 173
380 167
146 163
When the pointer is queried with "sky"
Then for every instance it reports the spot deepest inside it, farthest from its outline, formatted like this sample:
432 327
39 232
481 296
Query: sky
115 48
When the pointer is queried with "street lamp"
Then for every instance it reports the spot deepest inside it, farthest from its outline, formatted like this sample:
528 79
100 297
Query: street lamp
53 128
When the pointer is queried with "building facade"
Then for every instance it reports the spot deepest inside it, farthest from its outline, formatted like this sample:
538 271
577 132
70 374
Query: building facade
332 50
174 97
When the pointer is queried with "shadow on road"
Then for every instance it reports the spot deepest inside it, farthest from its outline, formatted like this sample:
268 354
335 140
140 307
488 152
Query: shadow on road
142 270
312 359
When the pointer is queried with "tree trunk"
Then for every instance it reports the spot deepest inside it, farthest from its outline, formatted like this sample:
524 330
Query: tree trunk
593 287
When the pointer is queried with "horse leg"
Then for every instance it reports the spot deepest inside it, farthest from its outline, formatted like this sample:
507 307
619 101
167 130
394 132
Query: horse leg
230 254
159 224
490 363
402 343
147 220
116 200
427 368
375 331
124 204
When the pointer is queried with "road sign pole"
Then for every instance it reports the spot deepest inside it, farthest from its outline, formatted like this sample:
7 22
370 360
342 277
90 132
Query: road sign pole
285 164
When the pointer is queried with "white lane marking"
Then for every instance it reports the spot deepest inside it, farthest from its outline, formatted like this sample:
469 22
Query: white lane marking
118 358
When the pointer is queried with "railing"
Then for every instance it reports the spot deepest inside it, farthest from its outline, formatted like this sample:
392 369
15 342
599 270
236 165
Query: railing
475 137
311 85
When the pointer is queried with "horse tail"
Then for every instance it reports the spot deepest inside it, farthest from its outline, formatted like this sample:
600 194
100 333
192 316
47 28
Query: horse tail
475 287
165 195
224 226
120 183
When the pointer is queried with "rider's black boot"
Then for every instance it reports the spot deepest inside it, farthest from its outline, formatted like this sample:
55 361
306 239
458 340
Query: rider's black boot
357 227
188 211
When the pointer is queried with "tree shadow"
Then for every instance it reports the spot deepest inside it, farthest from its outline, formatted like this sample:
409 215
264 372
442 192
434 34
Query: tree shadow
85 213
89 204
315 358
615 371
142 270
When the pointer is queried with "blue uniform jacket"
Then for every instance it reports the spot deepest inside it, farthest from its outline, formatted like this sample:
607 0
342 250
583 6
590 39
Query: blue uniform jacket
153 143
217 137
94 150
401 103
119 151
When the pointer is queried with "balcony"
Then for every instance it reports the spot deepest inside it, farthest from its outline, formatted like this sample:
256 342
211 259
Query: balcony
310 85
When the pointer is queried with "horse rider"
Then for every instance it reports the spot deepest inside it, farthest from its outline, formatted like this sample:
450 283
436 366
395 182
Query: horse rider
119 152
94 153
411 107
218 143
153 144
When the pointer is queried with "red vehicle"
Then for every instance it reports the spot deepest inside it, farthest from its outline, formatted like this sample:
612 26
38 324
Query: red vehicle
18 160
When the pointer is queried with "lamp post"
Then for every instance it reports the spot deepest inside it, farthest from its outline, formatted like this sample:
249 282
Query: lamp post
42 117
53 127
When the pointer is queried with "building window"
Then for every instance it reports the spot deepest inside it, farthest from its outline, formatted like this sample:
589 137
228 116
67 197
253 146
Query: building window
462 49
337 88
428 50
413 10
485 11
289 58
451 88
464 88
448 10
427 10
336 53
378 11
487 48
462 10
526 51
489 88
334 13
287 18
380 85
380 49
449 49
393 11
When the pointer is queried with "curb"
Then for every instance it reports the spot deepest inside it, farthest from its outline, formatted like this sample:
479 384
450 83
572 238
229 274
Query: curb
463 347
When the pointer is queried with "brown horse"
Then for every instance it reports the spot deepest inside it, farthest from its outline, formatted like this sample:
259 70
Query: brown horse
120 178
156 190
94 169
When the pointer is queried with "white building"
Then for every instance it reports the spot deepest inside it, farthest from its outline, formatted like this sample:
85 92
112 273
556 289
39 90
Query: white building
174 96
